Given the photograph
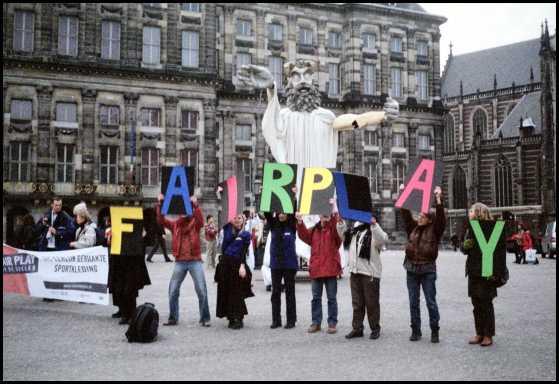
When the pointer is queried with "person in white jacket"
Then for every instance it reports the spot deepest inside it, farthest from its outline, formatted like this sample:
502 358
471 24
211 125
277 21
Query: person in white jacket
85 232
366 242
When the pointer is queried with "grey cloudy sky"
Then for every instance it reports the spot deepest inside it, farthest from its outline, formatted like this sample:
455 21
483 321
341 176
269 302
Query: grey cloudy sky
476 26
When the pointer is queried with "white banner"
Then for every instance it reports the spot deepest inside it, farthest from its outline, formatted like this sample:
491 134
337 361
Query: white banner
76 275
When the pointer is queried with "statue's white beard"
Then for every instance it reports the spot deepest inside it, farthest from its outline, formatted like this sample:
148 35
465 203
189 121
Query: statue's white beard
299 101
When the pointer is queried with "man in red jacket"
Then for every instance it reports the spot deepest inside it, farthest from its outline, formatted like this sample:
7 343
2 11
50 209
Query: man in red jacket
325 239
188 257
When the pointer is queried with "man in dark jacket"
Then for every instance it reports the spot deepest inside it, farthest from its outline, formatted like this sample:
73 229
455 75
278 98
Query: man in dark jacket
283 263
422 250
56 228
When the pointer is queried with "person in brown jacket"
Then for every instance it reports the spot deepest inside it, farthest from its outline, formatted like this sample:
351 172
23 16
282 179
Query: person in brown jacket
188 258
422 250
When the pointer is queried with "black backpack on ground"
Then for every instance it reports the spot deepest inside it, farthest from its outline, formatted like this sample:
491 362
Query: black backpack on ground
143 325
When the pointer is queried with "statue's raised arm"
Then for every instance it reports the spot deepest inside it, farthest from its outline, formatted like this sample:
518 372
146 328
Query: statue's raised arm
352 121
254 76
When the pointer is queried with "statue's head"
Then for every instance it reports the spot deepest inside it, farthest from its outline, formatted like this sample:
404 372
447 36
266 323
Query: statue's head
302 93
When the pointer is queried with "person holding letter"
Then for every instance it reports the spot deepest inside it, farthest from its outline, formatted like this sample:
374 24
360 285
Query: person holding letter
366 241
284 265
482 250
422 250
232 275
188 258
325 239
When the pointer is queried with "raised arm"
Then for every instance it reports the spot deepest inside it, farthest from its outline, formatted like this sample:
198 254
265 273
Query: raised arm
440 219
379 237
409 222
351 121
304 234
162 220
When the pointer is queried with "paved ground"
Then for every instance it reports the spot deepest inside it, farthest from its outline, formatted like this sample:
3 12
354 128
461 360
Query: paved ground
71 341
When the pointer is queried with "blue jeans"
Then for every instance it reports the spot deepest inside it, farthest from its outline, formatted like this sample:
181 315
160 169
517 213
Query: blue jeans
331 284
427 281
179 273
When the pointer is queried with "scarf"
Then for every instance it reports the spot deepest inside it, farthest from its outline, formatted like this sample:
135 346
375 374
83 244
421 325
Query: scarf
365 252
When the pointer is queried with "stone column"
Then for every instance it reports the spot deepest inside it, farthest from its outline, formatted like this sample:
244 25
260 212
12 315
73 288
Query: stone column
86 146
229 165
436 84
171 135
45 136
130 146
385 59
412 137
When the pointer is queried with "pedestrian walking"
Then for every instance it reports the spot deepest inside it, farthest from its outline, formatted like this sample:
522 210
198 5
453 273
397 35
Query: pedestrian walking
324 239
284 265
155 235
422 250
232 274
210 233
365 245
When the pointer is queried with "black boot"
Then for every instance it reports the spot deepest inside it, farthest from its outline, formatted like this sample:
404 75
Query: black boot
275 325
415 334
116 315
434 336
354 333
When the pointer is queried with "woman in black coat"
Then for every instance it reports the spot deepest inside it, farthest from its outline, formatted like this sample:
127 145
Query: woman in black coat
482 290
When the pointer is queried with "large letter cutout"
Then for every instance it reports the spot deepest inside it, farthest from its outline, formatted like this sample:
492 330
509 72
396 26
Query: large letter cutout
487 247
232 199
354 197
422 182
278 182
171 204
315 195
118 228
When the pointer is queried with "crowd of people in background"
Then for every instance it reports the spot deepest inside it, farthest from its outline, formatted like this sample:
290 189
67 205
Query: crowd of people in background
235 250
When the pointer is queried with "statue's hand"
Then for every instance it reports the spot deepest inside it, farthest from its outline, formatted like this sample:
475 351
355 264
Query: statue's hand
254 76
391 109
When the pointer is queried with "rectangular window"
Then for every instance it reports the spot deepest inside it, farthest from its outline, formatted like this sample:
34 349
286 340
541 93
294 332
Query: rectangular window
276 32
398 140
423 142
21 110
398 174
243 132
109 115
191 7
23 31
305 36
422 88
189 158
152 45
65 163
334 39
68 36
422 48
334 80
276 68
151 117
244 27
245 166
190 48
66 112
189 120
370 138
396 82
396 44
369 87
371 172
369 40
20 161
110 40
243 59
109 165
150 166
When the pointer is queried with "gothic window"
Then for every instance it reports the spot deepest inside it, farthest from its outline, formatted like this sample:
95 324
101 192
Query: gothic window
190 49
23 31
459 191
480 123
503 183
448 134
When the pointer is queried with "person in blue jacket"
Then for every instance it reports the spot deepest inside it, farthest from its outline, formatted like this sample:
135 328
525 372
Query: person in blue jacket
232 274
284 265
57 229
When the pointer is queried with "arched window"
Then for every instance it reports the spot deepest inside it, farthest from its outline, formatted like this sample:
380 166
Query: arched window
448 134
480 123
503 183
459 191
